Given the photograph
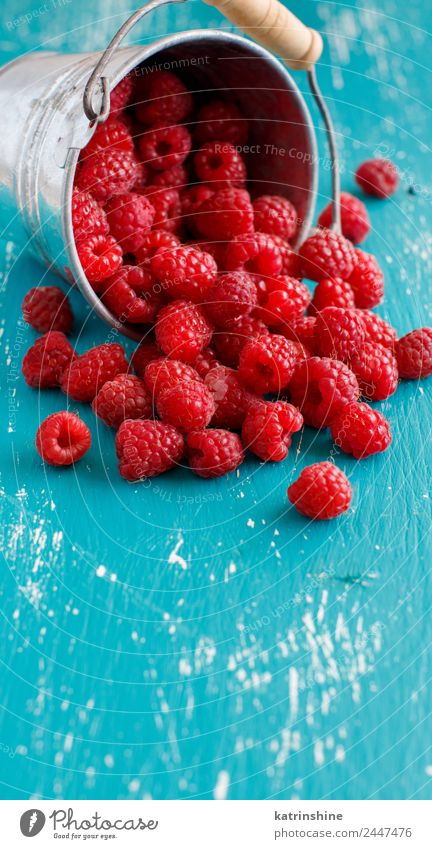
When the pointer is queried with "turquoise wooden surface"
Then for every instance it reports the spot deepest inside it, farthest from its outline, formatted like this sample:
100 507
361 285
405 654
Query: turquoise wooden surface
184 639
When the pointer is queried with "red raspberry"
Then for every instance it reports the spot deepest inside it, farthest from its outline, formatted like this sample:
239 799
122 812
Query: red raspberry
88 218
205 361
302 330
182 331
233 296
281 300
165 147
167 207
227 213
219 164
267 363
377 177
376 370
366 281
414 354
46 360
320 388
275 215
112 134
331 292
87 373
321 492
107 173
354 218
361 431
230 342
161 374
377 330
191 200
339 333
268 428
47 308
164 98
213 453
100 257
146 352
146 448
130 217
186 405
327 254
155 241
220 120
256 253
121 94
62 439
131 295
124 397
185 272
230 397
291 263
172 178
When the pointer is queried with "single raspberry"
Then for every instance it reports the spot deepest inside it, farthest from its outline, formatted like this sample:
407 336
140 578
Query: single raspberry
267 363
182 331
414 354
130 218
146 448
291 263
366 281
230 397
107 173
327 254
146 352
167 207
191 200
47 308
131 295
86 374
164 98
113 134
331 292
124 397
339 333
121 94
161 374
320 388
256 253
187 405
100 257
302 330
88 218
377 177
275 215
321 492
233 296
229 342
219 164
227 213
220 120
46 360
354 218
376 370
213 453
62 439
173 178
165 147
377 330
157 240
268 428
185 272
361 431
205 361
281 300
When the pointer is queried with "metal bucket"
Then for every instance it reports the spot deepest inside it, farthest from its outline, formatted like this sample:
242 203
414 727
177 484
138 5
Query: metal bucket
44 127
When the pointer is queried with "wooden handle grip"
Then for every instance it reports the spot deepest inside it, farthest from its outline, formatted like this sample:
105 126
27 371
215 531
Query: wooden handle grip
276 28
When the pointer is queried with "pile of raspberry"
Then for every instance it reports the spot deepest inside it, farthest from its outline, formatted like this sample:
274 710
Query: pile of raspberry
236 354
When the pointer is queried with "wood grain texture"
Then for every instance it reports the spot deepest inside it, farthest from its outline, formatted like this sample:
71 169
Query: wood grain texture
201 640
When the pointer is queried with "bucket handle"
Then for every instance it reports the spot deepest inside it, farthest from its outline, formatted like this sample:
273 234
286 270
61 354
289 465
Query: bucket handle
97 77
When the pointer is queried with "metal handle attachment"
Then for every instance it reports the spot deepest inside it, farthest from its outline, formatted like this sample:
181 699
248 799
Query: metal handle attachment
98 78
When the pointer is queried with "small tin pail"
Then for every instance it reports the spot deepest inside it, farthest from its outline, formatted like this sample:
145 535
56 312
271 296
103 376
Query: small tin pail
45 125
